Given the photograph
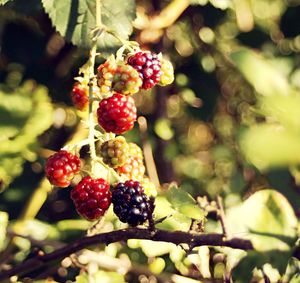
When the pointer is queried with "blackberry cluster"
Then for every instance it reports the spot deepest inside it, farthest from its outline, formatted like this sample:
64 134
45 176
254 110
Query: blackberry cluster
131 204
117 113
91 197
61 167
148 65
115 152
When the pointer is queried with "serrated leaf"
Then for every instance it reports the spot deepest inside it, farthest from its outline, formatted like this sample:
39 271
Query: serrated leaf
265 78
76 19
267 219
184 203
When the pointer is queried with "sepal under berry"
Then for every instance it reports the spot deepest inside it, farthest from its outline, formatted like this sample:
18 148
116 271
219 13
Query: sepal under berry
131 204
115 152
91 197
61 167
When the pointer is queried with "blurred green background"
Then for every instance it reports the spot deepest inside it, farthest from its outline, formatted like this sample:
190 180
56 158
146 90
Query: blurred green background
229 125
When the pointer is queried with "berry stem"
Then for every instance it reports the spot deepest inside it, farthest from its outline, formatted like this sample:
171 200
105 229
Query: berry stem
92 57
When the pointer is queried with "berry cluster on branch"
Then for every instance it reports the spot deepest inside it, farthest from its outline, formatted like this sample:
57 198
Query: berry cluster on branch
117 79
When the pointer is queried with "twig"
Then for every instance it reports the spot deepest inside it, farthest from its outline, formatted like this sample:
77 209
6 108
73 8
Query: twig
176 237
221 215
147 149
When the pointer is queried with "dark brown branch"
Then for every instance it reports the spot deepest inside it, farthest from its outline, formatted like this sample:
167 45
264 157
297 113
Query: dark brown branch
176 237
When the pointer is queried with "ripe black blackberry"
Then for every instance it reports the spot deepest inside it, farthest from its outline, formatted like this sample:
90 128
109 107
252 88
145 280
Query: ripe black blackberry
130 203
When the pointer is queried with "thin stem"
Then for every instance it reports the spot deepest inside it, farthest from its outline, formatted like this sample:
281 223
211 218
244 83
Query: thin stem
221 215
147 149
93 53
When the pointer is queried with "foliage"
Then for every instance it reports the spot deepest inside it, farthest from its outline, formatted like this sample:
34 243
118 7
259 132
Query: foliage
228 126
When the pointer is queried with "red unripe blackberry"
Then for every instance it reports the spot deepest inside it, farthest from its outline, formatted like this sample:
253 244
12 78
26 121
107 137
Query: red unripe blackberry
91 197
115 151
131 204
117 113
61 168
79 96
148 65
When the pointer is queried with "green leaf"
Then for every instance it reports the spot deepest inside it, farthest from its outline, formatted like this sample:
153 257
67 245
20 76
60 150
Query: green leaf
267 219
3 226
268 145
25 113
184 203
100 276
175 220
75 20
284 109
264 77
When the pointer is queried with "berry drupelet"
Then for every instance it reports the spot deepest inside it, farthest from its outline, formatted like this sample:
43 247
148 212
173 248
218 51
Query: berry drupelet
61 168
131 204
91 197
